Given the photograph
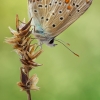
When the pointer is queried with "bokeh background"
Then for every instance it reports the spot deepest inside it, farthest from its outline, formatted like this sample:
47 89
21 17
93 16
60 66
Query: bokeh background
63 76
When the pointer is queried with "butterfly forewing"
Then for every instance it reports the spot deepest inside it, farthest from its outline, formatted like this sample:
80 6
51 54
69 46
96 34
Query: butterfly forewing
75 14
54 16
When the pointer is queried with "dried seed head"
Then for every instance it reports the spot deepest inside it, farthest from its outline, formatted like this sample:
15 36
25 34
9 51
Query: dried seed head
21 42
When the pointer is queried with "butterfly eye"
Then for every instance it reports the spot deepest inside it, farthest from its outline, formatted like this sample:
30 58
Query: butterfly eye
52 41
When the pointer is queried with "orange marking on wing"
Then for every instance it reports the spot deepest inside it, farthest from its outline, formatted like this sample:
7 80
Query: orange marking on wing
87 1
69 7
67 1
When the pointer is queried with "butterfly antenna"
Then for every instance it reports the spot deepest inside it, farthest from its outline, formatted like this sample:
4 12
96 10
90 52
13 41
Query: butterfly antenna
63 43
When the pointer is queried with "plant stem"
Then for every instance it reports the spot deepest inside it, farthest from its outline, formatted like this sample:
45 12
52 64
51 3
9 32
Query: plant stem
28 95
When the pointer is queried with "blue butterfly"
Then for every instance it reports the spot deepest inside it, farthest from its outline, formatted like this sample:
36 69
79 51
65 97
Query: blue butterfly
52 17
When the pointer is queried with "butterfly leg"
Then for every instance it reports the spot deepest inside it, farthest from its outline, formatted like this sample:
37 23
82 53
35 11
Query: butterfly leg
39 45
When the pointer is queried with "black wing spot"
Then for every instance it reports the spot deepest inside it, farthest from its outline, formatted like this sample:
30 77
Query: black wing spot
59 3
55 2
35 10
47 19
45 6
60 11
61 18
39 5
78 10
77 5
53 13
42 17
53 25
73 4
50 4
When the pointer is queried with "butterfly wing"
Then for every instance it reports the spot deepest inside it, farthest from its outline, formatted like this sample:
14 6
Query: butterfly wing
63 14
54 16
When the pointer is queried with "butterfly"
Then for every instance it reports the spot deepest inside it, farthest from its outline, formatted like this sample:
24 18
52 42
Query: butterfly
52 17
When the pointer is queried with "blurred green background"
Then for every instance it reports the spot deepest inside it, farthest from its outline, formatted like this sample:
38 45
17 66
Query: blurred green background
63 76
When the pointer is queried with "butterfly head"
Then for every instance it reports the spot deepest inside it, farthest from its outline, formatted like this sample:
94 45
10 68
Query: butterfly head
50 42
